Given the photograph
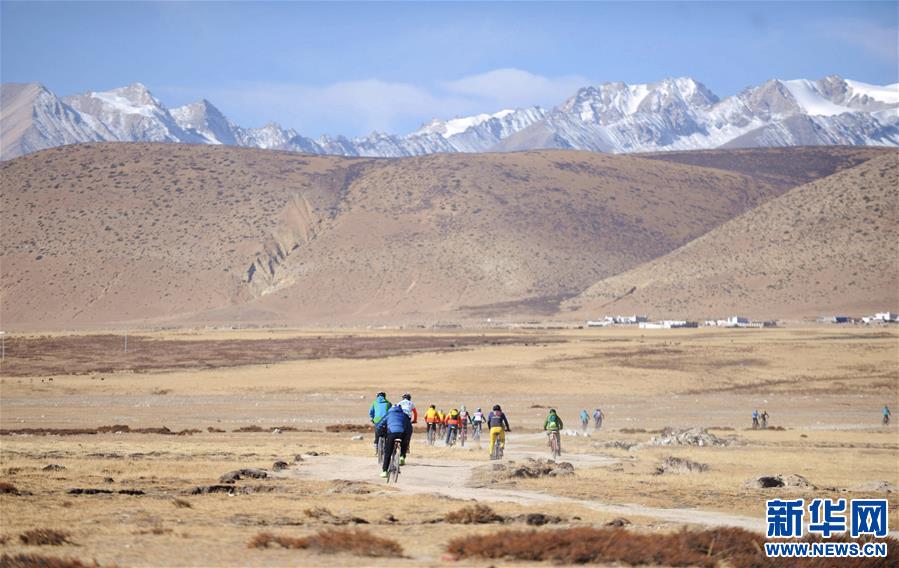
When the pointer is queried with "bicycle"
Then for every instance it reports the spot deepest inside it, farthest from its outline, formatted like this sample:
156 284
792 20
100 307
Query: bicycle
463 434
451 434
393 470
382 441
497 452
432 434
886 419
555 444
476 431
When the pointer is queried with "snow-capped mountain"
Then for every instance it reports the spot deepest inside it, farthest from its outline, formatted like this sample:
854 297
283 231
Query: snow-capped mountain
672 114
131 114
682 114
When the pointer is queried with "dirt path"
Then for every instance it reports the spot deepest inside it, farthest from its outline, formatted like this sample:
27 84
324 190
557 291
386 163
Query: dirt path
452 478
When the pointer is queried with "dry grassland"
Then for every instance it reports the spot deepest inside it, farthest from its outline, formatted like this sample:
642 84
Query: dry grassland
825 386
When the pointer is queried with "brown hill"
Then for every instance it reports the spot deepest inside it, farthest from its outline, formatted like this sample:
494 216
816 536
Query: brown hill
144 234
828 247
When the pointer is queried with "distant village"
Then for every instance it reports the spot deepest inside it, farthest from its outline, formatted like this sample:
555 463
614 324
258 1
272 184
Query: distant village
643 322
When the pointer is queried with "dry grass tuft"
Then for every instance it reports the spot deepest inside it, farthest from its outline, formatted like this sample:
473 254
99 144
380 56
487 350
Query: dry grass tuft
181 503
472 515
38 561
348 428
731 547
8 488
45 537
334 541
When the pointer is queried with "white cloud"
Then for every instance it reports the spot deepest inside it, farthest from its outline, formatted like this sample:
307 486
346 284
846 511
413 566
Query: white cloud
876 39
516 88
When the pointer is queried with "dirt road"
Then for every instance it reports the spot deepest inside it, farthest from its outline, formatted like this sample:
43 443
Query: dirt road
453 478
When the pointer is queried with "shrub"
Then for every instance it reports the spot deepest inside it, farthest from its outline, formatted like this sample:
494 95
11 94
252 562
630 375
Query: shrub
45 537
472 515
334 541
38 561
731 547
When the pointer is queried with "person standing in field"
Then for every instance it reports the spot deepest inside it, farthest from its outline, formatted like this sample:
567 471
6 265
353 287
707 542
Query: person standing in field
764 418
585 420
755 419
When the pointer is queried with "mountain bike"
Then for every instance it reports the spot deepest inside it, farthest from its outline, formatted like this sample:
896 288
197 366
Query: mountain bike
393 470
886 419
555 444
451 435
382 441
463 434
476 431
432 434
497 452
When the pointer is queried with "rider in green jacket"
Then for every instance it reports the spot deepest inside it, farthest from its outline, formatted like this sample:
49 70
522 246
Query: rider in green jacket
553 421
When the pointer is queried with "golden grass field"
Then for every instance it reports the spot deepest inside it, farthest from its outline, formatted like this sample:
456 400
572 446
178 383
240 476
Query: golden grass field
824 385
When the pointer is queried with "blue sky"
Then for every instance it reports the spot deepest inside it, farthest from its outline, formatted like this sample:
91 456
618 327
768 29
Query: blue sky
350 68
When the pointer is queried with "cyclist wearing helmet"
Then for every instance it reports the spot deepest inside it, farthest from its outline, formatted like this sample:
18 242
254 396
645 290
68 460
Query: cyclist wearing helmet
477 421
499 425
465 418
398 427
552 422
452 423
376 414
409 407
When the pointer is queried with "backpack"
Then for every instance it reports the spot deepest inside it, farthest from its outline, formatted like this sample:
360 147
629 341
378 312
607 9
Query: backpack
554 418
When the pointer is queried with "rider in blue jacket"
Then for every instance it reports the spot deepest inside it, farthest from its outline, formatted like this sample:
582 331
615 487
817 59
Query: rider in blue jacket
399 427
377 412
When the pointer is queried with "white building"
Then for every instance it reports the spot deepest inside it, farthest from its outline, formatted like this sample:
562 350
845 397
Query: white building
886 316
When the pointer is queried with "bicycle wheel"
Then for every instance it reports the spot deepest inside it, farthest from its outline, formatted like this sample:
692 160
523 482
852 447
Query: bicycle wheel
462 435
381 449
395 470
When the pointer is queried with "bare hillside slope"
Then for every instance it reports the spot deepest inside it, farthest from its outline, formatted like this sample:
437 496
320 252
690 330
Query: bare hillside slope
827 247
160 234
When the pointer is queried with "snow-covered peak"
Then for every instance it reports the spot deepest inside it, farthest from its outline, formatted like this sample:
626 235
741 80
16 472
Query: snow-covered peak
133 99
811 100
610 102
458 125
888 94
208 122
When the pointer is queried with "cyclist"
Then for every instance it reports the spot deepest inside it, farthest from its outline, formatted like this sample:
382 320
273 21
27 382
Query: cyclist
477 420
585 420
431 419
376 414
755 419
398 427
764 418
409 407
441 426
886 414
499 425
597 419
452 423
553 423
465 417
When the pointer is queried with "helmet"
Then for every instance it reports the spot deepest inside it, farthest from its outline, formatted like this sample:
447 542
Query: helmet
382 393
454 412
462 408
407 396
478 410
433 406
552 410
496 407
